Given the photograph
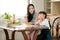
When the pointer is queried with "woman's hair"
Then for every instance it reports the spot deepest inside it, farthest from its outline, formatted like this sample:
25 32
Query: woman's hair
43 12
30 16
28 8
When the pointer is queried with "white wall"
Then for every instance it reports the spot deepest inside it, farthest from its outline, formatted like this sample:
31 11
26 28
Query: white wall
55 8
18 7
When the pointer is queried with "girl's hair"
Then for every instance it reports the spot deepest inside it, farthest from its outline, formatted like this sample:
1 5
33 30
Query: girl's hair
43 12
30 16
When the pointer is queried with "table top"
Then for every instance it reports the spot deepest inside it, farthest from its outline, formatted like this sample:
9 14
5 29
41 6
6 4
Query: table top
22 27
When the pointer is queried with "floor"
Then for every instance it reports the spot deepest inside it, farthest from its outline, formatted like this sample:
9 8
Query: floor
18 35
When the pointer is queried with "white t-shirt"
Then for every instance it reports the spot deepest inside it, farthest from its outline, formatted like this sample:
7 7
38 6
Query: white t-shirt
45 22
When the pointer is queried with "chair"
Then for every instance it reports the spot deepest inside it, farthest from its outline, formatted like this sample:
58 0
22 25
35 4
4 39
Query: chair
56 27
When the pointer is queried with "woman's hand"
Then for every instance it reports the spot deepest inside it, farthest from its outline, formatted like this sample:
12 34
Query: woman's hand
25 18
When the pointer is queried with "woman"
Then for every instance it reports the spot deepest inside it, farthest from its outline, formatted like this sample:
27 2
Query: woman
44 34
30 18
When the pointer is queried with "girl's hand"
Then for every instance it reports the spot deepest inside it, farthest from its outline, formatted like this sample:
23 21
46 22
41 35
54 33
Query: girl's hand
41 27
35 24
39 33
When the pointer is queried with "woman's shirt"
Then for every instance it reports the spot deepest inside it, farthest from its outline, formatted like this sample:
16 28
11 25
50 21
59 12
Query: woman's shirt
31 18
34 17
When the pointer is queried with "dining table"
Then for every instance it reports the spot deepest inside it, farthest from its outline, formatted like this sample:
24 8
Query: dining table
20 28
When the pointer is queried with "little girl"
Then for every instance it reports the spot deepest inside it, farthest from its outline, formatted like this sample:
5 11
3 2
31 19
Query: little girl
44 25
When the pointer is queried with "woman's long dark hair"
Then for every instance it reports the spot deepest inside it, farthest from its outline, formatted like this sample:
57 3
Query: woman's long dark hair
30 16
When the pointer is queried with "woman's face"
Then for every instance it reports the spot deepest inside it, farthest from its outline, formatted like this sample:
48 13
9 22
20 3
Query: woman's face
31 9
42 16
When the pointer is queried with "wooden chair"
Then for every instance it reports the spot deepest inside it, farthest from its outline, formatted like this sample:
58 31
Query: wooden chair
56 24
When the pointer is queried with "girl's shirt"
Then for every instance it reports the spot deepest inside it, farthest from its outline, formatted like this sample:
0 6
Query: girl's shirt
45 22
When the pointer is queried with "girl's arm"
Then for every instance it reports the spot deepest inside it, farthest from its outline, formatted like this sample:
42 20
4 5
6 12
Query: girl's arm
45 24
44 27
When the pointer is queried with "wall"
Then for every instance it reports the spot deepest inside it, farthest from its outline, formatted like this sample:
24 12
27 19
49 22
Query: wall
14 7
39 5
55 8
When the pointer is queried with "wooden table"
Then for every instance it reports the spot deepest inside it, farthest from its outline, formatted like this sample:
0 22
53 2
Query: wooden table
55 38
22 31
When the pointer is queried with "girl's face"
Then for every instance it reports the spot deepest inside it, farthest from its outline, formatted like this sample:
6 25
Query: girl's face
31 9
42 16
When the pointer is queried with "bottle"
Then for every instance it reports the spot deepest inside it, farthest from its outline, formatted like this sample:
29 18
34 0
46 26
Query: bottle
13 18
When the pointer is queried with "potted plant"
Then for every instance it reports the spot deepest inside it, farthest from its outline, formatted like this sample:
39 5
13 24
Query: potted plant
6 15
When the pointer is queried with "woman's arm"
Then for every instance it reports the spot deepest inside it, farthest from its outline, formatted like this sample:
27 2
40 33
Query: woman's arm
36 18
26 20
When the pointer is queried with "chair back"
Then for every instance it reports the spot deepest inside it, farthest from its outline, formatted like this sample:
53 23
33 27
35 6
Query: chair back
56 27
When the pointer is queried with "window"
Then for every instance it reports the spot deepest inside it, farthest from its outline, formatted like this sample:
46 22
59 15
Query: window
18 7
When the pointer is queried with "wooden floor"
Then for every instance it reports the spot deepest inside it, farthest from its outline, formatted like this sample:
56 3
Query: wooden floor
55 38
18 35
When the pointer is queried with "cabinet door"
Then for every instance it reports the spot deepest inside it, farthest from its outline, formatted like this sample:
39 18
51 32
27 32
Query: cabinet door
47 6
55 0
